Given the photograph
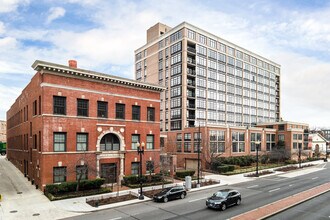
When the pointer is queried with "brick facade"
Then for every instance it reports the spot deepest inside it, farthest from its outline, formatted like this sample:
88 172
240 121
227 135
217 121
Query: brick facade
228 141
33 124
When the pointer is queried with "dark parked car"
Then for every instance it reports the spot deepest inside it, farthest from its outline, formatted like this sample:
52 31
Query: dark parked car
170 193
224 198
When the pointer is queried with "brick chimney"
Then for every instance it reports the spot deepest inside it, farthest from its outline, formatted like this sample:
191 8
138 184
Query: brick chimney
73 63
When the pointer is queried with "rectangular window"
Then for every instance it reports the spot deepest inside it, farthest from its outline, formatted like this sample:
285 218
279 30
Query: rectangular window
59 104
135 168
135 140
254 138
59 174
82 107
81 172
135 112
150 141
187 147
59 142
35 111
120 111
150 114
270 142
217 141
39 140
102 109
39 105
82 142
238 142
150 166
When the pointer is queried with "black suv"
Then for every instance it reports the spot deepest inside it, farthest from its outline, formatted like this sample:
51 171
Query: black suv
224 198
170 193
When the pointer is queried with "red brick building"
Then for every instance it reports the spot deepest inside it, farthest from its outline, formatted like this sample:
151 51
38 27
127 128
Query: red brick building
225 141
69 120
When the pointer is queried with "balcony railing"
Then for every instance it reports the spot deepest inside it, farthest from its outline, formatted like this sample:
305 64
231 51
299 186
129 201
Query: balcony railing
191 49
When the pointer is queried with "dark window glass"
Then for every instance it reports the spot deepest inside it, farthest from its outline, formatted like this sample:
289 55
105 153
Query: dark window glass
135 140
150 141
135 112
120 111
82 142
82 107
150 114
135 168
81 172
59 142
59 174
150 167
102 109
59 105
110 142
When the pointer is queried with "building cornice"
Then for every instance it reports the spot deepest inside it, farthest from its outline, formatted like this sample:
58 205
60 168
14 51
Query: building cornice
43 66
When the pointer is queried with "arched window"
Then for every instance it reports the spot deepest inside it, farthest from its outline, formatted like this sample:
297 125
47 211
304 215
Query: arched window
110 142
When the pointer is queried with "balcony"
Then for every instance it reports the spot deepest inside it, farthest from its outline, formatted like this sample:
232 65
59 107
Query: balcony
191 50
191 105
191 72
190 82
191 117
191 95
191 61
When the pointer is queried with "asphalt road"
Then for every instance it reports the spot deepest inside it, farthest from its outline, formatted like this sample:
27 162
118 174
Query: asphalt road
317 208
255 194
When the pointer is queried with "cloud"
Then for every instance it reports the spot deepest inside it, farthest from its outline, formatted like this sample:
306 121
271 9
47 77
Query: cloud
104 35
55 13
7 6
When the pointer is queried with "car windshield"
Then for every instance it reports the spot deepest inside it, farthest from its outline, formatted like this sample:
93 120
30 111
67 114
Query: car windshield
221 194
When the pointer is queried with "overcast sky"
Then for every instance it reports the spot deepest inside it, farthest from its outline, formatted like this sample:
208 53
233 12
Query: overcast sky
102 36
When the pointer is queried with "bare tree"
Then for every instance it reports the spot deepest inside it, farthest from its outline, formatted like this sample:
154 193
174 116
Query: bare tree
84 166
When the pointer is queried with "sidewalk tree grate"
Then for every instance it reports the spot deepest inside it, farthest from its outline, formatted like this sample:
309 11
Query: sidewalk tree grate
13 211
36 214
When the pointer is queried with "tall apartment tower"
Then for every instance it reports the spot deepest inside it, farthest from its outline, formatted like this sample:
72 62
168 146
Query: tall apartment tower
209 80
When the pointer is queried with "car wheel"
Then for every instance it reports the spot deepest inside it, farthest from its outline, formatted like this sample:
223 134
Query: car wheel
238 202
223 207
182 196
165 199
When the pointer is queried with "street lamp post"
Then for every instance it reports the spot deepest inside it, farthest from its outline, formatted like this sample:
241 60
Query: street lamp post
257 143
198 151
299 154
140 151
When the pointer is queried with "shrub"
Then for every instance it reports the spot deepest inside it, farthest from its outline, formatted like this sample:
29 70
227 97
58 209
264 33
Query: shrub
290 162
71 186
133 179
264 159
226 168
184 173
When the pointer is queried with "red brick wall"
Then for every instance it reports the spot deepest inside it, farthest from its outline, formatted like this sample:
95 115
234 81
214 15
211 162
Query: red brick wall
46 123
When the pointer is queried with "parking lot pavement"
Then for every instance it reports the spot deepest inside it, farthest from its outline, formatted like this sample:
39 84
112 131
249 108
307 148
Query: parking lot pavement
20 199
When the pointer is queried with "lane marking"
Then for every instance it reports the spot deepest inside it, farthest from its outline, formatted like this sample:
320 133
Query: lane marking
197 199
252 186
314 178
274 190
115 218
291 185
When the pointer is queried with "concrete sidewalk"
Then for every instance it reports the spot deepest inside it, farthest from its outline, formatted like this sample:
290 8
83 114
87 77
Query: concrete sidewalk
20 199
